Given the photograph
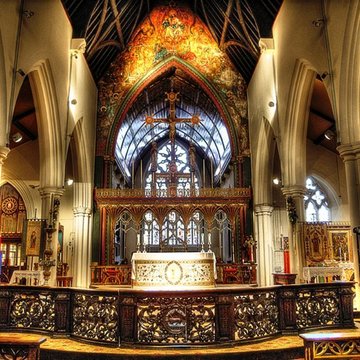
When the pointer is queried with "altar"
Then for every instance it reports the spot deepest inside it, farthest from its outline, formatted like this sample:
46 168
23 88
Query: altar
171 270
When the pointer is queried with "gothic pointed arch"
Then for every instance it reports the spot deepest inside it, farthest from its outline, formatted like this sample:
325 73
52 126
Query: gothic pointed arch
47 114
292 155
157 46
3 113
263 163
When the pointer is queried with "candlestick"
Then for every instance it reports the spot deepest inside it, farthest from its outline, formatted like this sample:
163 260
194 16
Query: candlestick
202 243
138 243
203 173
132 175
209 242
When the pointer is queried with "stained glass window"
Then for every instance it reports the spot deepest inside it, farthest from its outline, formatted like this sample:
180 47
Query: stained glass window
316 203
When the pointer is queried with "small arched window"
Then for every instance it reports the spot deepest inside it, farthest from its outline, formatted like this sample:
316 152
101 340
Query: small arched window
316 203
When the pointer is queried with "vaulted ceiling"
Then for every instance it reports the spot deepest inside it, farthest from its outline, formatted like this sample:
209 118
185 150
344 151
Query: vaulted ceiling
236 26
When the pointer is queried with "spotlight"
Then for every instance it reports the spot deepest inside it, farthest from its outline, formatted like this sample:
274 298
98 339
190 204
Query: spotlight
73 101
276 181
21 72
69 182
17 137
318 22
28 13
271 104
329 134
324 75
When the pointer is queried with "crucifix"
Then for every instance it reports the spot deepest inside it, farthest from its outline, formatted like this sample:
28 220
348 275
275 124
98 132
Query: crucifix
172 120
173 175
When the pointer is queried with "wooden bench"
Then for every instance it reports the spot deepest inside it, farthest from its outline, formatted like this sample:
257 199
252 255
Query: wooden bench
337 344
20 346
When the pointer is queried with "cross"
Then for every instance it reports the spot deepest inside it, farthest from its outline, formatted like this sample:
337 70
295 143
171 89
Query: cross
172 120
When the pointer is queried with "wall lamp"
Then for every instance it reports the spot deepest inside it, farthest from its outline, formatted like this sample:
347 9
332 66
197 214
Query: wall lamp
17 137
329 134
276 181
69 181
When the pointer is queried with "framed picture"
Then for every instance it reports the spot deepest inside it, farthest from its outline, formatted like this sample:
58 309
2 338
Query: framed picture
34 233
341 245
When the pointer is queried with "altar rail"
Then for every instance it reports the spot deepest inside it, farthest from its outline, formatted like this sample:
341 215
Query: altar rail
226 274
202 317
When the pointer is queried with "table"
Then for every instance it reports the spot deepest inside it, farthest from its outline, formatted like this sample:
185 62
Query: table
33 277
170 270
339 344
20 346
317 272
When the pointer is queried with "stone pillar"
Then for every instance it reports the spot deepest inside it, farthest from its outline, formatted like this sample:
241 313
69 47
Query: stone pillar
264 230
82 251
48 198
4 151
350 154
82 228
297 256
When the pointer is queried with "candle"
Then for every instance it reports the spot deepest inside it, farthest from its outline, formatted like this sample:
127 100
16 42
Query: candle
203 173
138 239
141 173
132 175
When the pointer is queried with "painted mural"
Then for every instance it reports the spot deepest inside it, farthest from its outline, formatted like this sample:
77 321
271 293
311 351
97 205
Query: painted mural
170 31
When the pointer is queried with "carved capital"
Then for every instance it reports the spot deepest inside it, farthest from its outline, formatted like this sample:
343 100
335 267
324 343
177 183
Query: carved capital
4 151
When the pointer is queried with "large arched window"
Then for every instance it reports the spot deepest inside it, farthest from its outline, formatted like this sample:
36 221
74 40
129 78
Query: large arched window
316 203
162 170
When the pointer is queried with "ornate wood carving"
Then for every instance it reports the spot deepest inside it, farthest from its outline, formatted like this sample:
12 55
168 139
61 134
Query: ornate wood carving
34 310
256 315
95 317
176 320
317 307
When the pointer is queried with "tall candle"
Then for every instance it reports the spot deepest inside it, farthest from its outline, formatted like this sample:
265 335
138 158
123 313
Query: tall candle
203 173
132 175
141 173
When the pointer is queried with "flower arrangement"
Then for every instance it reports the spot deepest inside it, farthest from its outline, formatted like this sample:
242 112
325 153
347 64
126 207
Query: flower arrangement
291 209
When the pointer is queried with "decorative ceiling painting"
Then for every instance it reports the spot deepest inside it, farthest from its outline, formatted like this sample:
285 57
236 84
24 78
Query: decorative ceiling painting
170 32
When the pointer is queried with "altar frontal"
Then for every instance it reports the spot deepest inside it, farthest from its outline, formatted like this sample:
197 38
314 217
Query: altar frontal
170 270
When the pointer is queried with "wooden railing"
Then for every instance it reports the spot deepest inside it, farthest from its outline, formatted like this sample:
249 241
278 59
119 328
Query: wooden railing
202 317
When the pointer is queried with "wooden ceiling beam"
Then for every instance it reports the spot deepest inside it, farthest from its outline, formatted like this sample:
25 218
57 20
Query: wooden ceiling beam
21 116
226 22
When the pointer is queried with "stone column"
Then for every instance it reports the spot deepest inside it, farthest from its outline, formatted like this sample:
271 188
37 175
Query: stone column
48 199
82 228
350 154
264 230
297 256
82 250
4 151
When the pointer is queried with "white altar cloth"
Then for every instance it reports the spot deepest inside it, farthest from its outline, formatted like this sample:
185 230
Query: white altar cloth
173 270
33 277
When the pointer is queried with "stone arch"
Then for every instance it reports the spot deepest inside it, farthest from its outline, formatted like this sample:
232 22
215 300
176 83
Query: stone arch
47 114
292 154
349 95
4 124
263 163
151 76
80 155
25 194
